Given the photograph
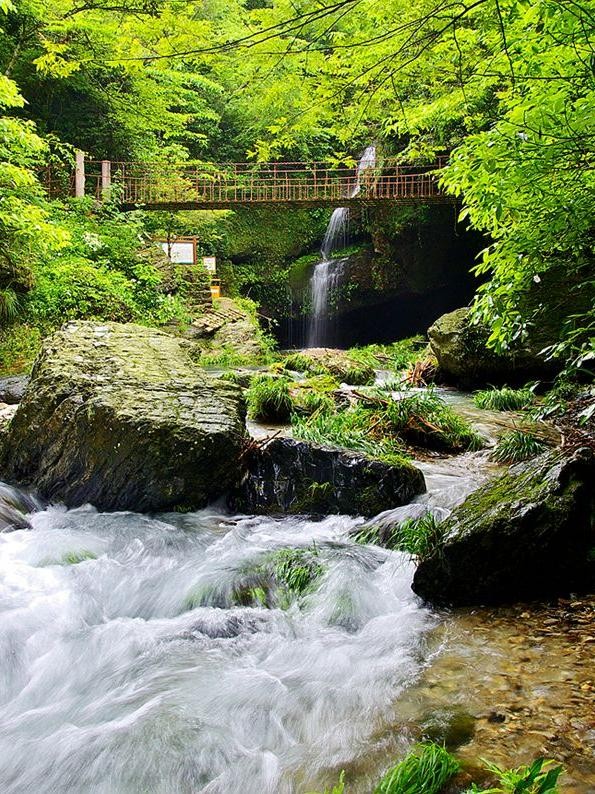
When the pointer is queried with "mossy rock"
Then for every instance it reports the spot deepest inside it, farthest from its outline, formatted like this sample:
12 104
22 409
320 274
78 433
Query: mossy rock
119 416
527 534
327 361
464 358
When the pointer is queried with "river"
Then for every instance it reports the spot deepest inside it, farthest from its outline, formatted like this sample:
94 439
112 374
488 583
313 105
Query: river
115 682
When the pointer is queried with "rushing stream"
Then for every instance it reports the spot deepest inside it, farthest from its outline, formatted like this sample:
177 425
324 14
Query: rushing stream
115 682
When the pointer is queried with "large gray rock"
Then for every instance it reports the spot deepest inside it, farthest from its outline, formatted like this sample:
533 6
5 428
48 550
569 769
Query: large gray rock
119 416
289 476
527 534
464 358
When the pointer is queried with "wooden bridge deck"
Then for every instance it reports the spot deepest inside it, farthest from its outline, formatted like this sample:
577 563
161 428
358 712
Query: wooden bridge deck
226 185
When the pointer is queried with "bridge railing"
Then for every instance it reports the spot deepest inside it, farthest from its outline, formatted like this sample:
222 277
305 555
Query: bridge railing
204 184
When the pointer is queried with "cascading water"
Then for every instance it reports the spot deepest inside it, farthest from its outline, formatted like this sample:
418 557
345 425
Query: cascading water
327 273
115 681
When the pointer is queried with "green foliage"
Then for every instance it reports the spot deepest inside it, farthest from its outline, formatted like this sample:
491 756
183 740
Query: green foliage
425 419
517 445
19 344
351 429
296 570
425 770
278 579
300 362
419 537
269 399
339 788
504 399
539 778
396 356
310 401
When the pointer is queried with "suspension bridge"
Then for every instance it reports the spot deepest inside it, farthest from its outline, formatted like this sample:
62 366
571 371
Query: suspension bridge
185 186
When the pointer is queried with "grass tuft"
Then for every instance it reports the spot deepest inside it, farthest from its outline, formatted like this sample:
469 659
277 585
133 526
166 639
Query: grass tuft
425 419
269 399
425 770
416 536
504 399
518 445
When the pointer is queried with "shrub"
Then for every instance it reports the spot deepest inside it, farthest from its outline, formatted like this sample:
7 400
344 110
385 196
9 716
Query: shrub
425 770
69 289
417 536
518 445
19 344
269 399
504 399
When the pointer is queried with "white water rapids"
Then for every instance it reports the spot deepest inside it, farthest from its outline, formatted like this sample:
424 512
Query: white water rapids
112 683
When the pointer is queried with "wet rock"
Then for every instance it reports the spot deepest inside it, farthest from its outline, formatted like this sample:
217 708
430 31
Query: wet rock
289 476
13 389
464 358
119 416
14 506
450 727
527 534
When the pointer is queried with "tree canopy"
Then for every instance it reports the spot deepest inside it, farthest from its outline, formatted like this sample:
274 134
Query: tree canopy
505 86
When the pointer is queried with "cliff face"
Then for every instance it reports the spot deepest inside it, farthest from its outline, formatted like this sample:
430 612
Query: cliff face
411 265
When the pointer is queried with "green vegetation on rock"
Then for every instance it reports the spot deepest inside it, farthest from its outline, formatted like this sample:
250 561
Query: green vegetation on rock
518 445
504 399
269 399
420 537
396 356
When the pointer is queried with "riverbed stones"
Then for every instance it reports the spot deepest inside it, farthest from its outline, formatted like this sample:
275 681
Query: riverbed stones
290 476
119 416
528 534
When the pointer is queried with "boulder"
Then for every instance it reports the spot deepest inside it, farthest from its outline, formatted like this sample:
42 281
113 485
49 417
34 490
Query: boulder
119 416
464 358
289 476
12 389
338 363
528 534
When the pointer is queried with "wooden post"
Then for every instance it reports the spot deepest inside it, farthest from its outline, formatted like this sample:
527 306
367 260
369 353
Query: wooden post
106 179
79 174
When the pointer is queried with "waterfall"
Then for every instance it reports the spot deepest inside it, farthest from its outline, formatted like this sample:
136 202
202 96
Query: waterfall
327 273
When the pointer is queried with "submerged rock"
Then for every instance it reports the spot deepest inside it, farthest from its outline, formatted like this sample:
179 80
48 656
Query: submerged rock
464 358
528 534
289 476
119 416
